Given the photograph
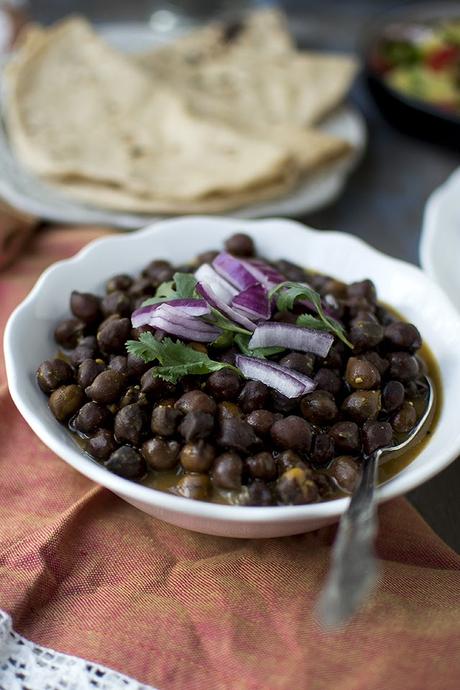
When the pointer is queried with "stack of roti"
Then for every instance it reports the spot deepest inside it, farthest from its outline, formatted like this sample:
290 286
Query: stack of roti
223 117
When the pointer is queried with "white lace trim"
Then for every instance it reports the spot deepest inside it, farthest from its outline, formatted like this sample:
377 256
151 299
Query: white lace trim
27 666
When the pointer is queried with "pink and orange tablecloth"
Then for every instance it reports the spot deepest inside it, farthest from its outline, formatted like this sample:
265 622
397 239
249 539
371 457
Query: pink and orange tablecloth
85 573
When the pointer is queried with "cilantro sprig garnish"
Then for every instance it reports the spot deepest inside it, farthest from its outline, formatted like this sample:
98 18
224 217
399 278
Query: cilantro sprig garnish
288 292
220 320
176 360
182 286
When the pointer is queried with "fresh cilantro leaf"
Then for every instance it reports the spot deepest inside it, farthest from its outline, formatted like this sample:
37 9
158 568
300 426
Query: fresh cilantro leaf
243 340
286 295
220 320
182 286
310 321
185 285
223 341
147 347
176 359
290 292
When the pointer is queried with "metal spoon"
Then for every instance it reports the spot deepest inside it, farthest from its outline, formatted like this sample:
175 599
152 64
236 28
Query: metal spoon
353 572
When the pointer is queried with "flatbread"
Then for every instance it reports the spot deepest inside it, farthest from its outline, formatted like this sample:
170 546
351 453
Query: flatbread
291 89
209 123
263 31
114 126
315 151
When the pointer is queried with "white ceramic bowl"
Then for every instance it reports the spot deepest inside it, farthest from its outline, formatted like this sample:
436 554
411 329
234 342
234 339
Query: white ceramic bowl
29 340
440 241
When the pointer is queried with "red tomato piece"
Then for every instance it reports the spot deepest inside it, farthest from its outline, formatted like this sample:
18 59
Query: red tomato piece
442 58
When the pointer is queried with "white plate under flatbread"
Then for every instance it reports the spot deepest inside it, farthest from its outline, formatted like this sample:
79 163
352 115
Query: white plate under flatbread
33 195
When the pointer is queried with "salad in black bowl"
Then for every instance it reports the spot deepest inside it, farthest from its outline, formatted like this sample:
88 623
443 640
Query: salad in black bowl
412 59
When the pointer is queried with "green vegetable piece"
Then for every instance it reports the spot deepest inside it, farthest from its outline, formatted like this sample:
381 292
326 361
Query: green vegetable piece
223 341
185 285
176 359
218 319
181 287
286 295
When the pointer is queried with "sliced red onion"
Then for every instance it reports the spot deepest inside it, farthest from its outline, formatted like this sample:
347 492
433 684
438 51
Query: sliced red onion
254 302
286 381
211 297
293 337
264 273
192 307
183 325
221 288
234 271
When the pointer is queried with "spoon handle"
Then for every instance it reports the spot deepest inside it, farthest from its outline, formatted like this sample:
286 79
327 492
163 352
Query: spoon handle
353 571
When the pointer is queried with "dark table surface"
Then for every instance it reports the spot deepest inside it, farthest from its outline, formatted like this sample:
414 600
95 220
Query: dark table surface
384 199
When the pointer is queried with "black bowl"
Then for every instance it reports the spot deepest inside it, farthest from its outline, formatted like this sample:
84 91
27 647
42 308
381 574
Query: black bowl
415 117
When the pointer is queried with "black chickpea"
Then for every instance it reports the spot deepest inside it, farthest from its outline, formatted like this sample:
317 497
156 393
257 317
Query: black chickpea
259 494
195 486
88 370
295 487
85 306
261 466
240 245
196 401
224 385
261 421
405 419
253 396
106 387
160 454
165 420
292 433
227 471
68 333
361 374
345 436
323 449
376 435
319 408
362 406
86 349
345 472
101 444
227 410
65 401
52 374
197 456
126 462
121 281
129 423
393 396
91 416
196 425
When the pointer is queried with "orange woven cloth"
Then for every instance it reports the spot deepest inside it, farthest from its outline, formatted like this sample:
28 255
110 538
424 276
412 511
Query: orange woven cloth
85 573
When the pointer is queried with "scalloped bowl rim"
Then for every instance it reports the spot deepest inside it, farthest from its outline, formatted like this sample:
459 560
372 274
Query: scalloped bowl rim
19 379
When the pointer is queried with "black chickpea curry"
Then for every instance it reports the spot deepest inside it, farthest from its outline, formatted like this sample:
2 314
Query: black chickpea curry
234 379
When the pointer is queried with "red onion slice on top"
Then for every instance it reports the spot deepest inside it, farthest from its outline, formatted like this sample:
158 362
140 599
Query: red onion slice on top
265 274
286 381
220 287
234 271
182 325
293 337
211 297
254 302
191 307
